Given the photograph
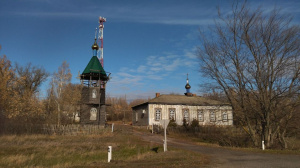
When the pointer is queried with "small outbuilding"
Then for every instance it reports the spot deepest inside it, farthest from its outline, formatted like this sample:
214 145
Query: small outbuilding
182 107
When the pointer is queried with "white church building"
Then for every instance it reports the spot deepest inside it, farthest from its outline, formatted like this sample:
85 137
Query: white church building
180 107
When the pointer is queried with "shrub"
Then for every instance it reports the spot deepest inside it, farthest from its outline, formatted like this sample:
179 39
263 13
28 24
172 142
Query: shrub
224 136
172 123
195 123
185 124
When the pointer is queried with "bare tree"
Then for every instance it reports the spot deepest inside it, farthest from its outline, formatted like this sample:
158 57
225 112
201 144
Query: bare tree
61 79
254 58
6 75
19 101
71 96
118 108
19 86
29 78
63 97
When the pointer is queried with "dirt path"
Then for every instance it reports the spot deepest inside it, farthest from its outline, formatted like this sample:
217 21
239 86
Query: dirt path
222 157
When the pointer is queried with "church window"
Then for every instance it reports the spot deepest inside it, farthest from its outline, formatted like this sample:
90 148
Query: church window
157 114
186 115
93 114
94 93
172 114
212 116
224 116
200 115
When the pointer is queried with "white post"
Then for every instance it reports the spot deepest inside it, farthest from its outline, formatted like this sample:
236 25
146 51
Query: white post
112 127
263 145
109 153
152 128
164 123
165 141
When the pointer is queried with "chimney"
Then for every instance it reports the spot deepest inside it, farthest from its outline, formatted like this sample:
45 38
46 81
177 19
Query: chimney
157 94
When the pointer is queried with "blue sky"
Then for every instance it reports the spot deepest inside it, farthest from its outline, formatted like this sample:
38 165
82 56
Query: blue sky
149 46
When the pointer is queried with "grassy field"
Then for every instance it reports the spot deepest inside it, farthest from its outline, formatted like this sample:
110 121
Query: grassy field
292 142
91 151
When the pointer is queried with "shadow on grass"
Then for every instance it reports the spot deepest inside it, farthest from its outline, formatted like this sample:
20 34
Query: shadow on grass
155 149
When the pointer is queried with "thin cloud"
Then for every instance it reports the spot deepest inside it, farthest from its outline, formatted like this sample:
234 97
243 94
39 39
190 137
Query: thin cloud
177 13
155 77
125 78
176 21
159 13
142 69
171 67
191 54
156 68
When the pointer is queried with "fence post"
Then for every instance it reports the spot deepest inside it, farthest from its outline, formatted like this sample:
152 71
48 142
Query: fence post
109 153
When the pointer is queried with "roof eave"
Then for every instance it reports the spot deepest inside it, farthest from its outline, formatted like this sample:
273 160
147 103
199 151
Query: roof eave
140 105
189 104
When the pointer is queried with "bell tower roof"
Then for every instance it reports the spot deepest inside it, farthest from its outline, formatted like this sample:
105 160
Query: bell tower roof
95 45
94 69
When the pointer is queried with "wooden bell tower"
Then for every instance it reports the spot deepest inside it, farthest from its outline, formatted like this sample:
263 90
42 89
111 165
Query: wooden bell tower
93 79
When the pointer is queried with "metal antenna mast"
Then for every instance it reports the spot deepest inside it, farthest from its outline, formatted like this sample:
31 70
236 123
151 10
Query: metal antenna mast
100 39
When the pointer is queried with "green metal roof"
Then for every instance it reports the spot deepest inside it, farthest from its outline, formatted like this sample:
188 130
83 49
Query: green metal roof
94 66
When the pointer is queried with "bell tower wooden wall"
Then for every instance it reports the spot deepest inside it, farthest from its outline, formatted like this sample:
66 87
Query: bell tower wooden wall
92 108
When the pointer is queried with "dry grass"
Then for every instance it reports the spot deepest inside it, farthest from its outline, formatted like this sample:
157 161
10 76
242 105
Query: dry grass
90 150
173 158
293 144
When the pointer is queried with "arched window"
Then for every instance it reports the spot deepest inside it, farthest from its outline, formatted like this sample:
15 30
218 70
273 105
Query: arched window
200 115
94 93
157 114
212 116
186 115
224 116
172 114
93 114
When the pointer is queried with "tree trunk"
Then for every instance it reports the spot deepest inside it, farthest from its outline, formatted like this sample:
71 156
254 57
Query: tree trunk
267 136
282 140
58 114
251 133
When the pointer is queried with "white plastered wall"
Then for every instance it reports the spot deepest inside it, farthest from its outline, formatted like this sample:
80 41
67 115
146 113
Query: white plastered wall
193 111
